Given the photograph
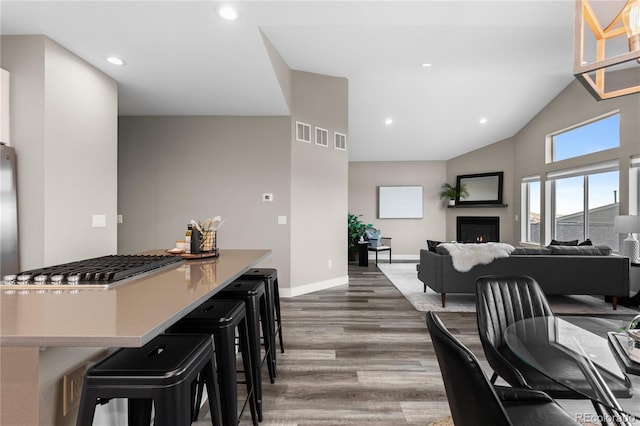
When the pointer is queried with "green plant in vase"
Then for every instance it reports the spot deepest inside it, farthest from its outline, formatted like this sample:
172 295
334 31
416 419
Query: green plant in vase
355 230
451 192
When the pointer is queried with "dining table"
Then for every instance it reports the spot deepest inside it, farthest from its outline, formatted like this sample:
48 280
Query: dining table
594 357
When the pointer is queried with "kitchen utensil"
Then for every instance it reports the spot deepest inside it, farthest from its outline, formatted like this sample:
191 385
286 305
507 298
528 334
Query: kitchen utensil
196 225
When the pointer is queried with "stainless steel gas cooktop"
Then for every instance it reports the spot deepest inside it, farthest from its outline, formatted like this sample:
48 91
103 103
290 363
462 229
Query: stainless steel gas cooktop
99 272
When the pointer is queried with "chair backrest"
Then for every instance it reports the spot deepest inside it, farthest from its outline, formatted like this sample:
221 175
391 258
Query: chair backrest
471 397
501 301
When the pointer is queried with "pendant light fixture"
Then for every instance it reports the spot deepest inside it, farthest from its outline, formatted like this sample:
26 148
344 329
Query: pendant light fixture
599 63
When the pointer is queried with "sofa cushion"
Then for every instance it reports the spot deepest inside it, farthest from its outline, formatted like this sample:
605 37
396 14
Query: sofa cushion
432 244
531 251
578 251
441 250
604 250
563 243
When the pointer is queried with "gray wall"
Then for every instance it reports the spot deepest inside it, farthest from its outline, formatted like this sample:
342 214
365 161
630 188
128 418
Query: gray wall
64 129
493 158
174 169
572 106
524 154
408 235
319 190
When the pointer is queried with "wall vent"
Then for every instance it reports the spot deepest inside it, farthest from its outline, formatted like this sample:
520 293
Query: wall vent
322 137
303 132
340 141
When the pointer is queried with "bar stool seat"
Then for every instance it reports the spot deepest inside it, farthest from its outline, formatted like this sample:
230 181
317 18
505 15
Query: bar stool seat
270 277
252 293
160 373
221 318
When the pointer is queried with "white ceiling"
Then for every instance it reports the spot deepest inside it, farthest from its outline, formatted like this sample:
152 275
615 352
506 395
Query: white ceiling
503 60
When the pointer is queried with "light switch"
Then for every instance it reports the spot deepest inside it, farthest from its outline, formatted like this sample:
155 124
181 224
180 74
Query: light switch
99 221
282 220
267 198
119 218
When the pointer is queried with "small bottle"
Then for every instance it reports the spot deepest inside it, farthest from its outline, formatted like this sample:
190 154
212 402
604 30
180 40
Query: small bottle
187 239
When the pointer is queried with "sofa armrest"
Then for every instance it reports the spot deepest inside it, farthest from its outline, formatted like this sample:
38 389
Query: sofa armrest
430 269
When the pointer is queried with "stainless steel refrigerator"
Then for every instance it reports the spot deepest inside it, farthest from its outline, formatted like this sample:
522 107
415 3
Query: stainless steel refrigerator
9 262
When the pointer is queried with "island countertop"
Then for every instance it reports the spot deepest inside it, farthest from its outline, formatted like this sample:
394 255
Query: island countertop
126 315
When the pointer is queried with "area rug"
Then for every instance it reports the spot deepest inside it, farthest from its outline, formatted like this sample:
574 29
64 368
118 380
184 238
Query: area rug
404 277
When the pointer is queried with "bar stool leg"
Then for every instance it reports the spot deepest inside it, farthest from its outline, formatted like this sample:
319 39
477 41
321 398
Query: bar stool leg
255 350
139 411
170 408
246 365
269 337
87 407
276 299
211 381
228 381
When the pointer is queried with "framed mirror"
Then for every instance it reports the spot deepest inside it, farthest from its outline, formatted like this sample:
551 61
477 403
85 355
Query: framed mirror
483 188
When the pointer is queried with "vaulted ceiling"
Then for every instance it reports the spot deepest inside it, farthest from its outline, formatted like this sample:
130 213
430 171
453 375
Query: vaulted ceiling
498 60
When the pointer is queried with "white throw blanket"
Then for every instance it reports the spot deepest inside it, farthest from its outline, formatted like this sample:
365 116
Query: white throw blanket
466 256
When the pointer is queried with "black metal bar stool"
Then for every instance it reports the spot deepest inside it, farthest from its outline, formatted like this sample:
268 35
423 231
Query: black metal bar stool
270 277
161 372
253 294
221 318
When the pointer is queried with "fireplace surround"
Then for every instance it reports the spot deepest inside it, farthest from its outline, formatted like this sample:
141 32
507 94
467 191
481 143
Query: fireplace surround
477 229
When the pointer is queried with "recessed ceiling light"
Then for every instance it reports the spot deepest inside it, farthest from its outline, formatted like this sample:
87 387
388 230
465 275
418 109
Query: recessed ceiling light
425 65
483 121
228 13
115 60
388 121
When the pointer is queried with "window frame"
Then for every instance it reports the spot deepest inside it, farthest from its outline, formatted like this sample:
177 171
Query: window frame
550 148
584 172
525 230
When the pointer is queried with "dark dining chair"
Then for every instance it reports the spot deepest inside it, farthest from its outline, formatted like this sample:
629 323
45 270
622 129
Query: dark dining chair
500 302
473 400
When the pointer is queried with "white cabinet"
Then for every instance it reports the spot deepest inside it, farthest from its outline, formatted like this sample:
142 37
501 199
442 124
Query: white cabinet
5 124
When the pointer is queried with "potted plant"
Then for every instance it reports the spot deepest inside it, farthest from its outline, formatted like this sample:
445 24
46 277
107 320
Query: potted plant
451 192
355 230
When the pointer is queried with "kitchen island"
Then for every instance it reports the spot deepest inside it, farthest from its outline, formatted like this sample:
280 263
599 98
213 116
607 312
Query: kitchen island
127 315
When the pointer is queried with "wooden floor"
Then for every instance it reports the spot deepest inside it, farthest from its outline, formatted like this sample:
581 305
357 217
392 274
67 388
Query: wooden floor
356 355
359 354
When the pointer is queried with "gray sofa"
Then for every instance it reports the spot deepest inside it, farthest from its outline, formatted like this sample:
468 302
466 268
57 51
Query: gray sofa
557 274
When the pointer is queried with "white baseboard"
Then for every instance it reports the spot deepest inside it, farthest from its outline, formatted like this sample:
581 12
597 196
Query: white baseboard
310 288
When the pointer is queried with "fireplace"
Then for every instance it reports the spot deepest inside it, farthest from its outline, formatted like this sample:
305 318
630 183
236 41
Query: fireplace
477 229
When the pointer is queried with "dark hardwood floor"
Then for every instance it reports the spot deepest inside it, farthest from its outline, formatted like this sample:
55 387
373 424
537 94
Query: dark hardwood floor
359 354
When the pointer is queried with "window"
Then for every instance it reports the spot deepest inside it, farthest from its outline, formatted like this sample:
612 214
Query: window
594 136
531 209
585 203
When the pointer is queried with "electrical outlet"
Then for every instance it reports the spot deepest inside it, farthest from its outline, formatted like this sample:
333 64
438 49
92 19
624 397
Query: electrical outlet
72 389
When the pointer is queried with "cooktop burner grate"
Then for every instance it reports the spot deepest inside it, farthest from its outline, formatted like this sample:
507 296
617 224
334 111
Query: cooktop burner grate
100 271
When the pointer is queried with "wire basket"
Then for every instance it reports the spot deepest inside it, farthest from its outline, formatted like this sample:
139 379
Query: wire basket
208 241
